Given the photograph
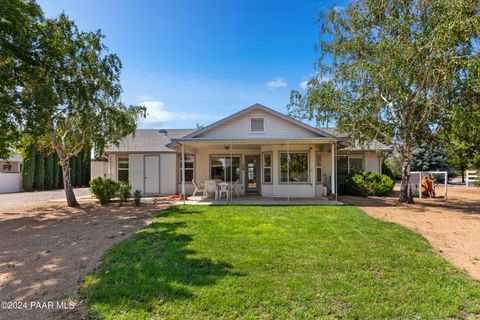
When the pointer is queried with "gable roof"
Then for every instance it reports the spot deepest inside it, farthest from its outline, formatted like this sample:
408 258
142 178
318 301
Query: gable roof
258 106
148 140
355 146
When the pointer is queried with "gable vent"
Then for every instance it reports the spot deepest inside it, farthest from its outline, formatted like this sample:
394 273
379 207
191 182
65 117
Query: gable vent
257 125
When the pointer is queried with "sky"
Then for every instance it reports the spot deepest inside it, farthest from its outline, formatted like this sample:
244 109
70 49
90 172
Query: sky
195 62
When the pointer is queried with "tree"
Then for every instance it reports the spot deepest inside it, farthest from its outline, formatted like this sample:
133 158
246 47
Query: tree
39 182
387 69
56 171
49 171
430 156
28 168
74 95
18 23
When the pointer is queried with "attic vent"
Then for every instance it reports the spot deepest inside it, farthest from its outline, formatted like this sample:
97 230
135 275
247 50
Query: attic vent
257 125
162 132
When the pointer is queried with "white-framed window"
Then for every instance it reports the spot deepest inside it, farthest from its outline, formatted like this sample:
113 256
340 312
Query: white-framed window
267 167
189 168
257 125
318 167
221 166
294 167
355 163
122 166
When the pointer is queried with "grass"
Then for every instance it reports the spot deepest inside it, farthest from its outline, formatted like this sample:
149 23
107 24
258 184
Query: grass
276 262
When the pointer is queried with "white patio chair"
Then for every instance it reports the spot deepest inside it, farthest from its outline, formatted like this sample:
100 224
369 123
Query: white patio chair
198 188
210 187
236 185
224 190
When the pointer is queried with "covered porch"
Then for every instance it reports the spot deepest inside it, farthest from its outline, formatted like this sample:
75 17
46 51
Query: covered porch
260 200
280 171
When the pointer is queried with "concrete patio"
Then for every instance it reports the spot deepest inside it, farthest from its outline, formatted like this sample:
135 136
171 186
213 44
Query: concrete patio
259 200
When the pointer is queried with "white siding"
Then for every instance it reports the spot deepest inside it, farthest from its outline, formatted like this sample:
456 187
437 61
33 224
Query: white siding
168 175
136 174
372 162
113 167
99 169
10 182
275 127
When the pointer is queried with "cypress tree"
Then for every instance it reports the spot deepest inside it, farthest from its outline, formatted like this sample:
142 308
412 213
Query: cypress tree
49 171
86 168
56 171
60 177
28 168
73 171
39 183
78 168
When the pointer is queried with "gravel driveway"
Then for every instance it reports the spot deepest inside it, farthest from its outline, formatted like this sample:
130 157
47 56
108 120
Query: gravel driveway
10 200
46 249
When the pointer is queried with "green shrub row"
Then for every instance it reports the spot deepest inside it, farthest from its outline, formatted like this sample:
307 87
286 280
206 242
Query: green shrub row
42 171
106 189
362 183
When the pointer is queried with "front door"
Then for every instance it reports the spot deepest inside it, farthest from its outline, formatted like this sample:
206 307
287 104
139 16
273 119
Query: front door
252 174
152 176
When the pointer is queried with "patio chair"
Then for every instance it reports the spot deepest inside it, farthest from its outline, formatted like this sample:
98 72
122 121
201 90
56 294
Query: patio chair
198 188
223 190
235 185
211 187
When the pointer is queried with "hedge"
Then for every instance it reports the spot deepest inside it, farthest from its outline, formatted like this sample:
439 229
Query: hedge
39 183
49 171
28 168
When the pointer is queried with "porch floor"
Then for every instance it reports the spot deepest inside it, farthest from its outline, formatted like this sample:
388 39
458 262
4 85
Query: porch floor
259 200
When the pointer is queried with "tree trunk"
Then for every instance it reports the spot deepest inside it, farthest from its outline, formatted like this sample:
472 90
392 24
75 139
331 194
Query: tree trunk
463 174
406 195
67 183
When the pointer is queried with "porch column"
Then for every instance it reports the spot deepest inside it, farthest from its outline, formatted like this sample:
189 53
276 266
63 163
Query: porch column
334 170
183 173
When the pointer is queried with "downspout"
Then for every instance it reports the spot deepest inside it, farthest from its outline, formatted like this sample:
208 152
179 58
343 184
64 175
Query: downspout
183 173
288 170
231 172
336 175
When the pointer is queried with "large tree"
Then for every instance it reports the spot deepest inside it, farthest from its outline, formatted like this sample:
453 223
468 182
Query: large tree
67 93
387 69
75 94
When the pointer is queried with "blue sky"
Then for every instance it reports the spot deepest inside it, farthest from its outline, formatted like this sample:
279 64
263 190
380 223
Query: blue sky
195 61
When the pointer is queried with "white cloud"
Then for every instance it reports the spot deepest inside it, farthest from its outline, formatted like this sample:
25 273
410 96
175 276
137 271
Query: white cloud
304 84
158 115
278 82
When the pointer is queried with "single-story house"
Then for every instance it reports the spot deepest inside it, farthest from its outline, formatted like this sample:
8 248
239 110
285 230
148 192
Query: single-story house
265 151
11 174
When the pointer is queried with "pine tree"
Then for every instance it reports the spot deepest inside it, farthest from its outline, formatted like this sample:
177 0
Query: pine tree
28 169
39 183
49 171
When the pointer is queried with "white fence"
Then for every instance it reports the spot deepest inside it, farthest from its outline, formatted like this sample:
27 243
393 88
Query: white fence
10 182
472 176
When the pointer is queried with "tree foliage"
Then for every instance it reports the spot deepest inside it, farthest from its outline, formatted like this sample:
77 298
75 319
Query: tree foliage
430 156
28 168
49 171
69 95
387 70
39 183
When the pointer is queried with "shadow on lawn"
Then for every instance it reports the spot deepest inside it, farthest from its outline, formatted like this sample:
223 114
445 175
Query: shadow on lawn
154 267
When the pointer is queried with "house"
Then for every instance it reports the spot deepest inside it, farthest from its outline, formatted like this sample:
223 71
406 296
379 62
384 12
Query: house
11 174
269 153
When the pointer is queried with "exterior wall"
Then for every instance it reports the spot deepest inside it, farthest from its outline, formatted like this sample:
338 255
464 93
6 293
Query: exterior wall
373 162
10 166
274 127
10 182
168 174
136 174
99 169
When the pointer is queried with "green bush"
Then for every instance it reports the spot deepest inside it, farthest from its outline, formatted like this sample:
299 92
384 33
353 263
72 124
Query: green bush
103 189
124 191
39 183
137 196
362 183
28 168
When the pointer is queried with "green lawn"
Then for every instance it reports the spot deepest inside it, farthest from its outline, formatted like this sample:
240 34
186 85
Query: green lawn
276 262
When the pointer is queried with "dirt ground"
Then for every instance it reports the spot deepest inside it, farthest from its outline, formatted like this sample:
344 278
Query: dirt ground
451 226
46 249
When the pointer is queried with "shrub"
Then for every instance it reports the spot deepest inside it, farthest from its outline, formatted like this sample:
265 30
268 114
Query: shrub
39 182
103 189
124 191
362 183
49 171
56 171
137 196
28 168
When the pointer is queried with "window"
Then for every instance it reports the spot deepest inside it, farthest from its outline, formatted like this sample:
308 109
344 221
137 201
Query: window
267 167
189 168
355 164
295 169
122 168
257 125
221 166
318 167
